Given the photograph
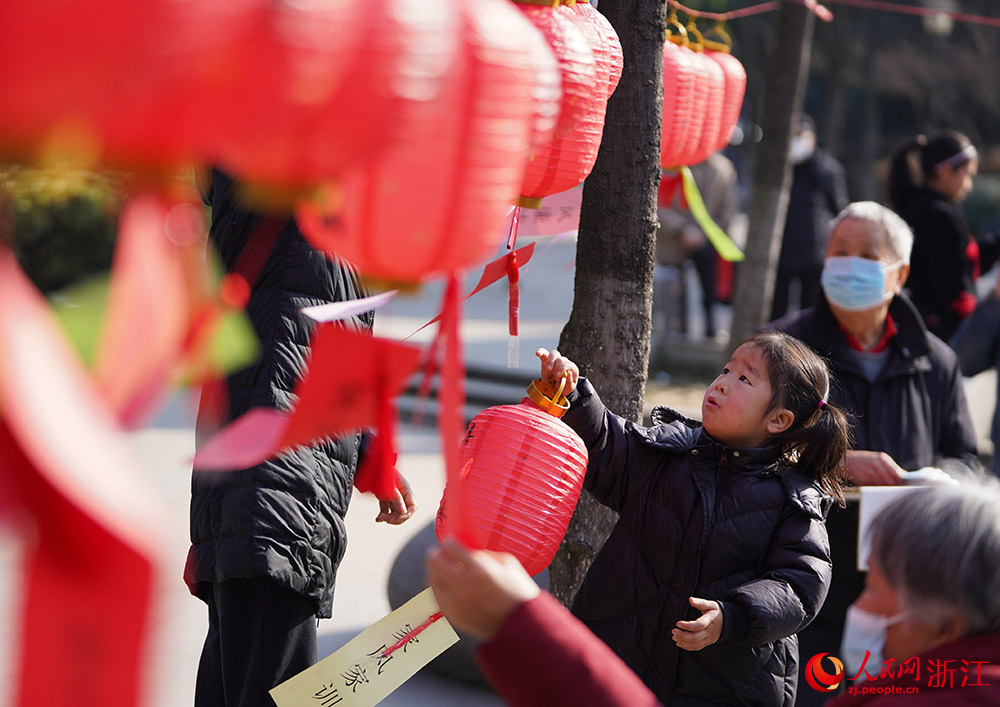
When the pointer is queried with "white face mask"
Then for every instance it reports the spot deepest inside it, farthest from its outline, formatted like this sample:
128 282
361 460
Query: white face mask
801 148
865 632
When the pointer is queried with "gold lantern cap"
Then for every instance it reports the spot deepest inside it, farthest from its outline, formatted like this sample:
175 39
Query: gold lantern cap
548 397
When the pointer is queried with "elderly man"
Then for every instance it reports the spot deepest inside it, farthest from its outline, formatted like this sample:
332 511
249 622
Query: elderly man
902 384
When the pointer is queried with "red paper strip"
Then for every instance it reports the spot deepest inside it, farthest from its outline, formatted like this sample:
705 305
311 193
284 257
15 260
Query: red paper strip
337 393
493 271
146 320
452 398
91 548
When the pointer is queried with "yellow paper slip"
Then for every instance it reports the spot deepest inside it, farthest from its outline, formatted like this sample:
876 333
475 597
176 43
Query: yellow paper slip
375 662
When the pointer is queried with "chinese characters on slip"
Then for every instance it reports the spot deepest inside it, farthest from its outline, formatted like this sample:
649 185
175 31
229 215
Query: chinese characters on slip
374 663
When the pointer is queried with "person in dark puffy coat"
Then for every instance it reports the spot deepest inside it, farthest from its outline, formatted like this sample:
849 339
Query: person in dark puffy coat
720 554
266 541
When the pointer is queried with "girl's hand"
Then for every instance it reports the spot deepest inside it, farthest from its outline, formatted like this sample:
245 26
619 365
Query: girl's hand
555 367
703 631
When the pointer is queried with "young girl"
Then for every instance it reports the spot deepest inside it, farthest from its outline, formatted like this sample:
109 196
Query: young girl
720 555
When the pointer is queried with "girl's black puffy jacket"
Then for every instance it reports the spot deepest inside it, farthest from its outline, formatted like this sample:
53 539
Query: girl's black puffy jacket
704 520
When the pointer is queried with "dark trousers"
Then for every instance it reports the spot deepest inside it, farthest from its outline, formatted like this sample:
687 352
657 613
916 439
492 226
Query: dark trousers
259 635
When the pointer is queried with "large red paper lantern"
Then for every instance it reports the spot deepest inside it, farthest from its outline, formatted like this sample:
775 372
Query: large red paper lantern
678 98
332 84
522 471
735 88
433 202
114 81
568 157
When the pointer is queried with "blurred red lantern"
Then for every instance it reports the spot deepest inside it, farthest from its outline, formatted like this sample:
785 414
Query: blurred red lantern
710 88
331 84
113 81
603 40
678 97
522 471
433 201
735 84
568 157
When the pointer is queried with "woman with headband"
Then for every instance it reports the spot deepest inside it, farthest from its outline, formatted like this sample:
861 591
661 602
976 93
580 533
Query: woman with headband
928 177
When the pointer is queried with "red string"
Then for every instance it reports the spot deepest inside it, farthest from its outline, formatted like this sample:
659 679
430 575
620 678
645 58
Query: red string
732 14
824 14
411 635
919 11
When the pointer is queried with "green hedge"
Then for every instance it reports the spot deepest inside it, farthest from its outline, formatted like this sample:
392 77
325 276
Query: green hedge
64 222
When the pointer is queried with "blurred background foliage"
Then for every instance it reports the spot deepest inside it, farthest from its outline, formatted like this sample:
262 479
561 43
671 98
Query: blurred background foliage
64 222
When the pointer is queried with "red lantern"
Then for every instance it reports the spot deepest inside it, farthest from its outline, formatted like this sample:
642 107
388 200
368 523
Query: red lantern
710 87
678 98
605 42
522 473
568 158
332 83
735 88
432 202
113 81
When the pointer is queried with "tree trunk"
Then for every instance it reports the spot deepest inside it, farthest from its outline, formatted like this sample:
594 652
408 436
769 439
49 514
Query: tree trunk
609 329
782 108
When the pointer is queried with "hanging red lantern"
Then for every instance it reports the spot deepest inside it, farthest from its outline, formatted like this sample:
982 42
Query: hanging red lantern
735 83
332 84
710 88
568 157
678 96
113 81
604 41
547 91
432 202
522 472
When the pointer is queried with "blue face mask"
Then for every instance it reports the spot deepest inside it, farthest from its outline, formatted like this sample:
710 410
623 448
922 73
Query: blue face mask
855 284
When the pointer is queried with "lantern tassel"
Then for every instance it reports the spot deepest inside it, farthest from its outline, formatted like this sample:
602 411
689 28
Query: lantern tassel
449 420
513 309
377 473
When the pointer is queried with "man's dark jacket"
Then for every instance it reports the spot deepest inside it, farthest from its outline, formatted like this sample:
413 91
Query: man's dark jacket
915 411
284 518
704 520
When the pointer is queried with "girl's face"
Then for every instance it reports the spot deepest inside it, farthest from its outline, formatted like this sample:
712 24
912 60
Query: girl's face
735 407
955 183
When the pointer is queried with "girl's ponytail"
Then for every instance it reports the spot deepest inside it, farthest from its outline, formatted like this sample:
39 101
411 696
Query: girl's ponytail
915 163
821 446
906 174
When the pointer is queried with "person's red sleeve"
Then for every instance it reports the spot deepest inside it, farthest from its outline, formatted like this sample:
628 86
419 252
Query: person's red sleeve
543 656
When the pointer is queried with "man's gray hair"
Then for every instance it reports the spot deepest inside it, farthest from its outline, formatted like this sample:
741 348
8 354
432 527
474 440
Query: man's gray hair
898 236
939 547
